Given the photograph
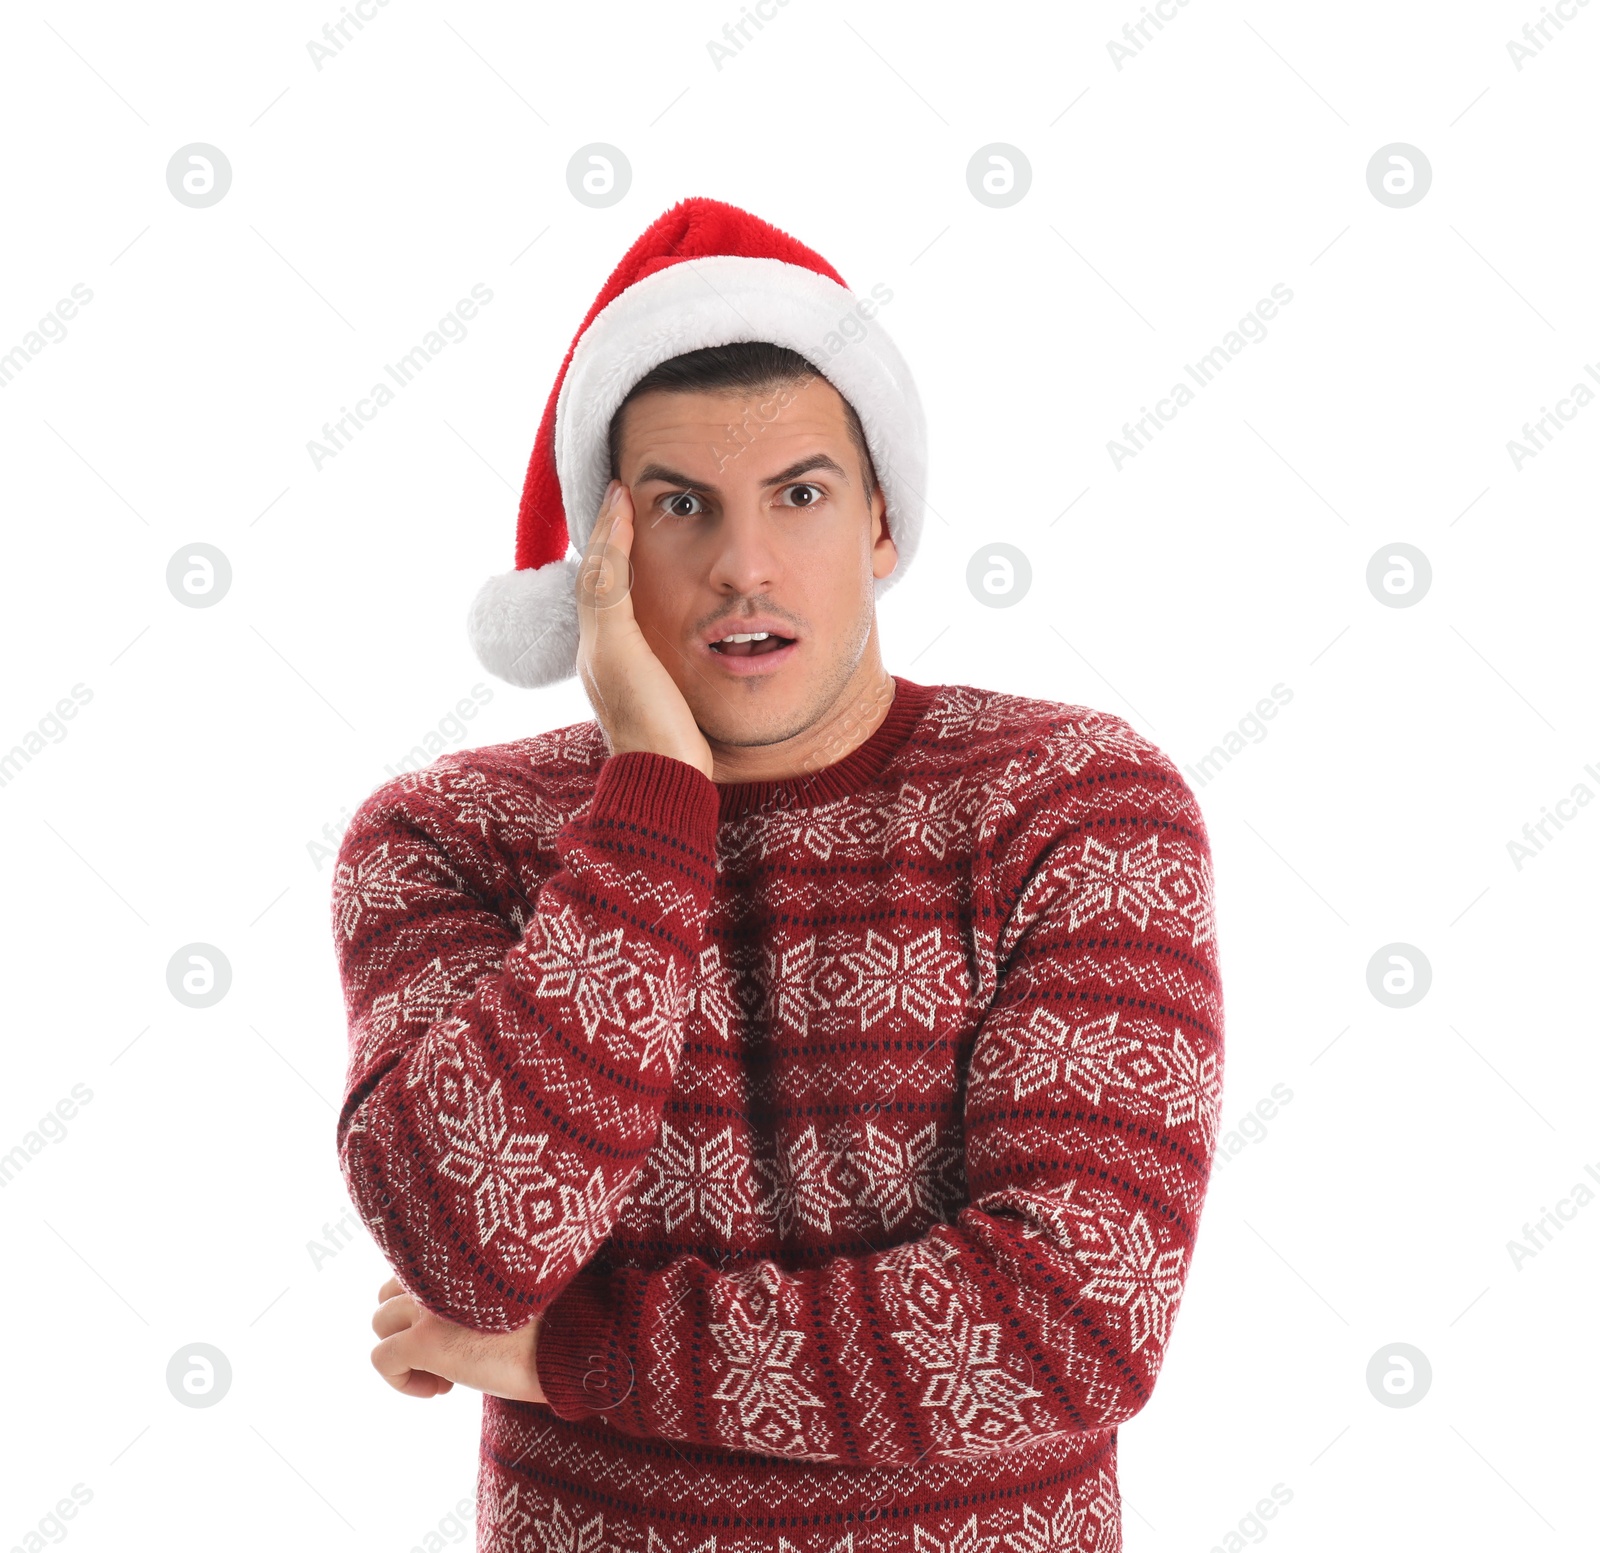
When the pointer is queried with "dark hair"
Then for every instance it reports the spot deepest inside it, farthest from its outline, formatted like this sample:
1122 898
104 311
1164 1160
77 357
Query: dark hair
752 365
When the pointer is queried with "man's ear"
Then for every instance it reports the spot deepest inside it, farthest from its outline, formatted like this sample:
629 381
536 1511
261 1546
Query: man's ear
885 554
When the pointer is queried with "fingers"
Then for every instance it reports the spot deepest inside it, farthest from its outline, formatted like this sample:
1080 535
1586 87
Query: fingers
603 588
601 532
622 519
392 1359
395 1315
603 580
393 1321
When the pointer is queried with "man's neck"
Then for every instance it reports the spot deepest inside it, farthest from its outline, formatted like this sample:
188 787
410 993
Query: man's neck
854 717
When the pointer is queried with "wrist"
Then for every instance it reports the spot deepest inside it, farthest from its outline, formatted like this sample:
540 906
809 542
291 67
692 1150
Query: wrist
534 1392
585 1372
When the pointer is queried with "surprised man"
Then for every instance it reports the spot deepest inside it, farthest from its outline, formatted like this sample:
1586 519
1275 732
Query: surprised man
789 1097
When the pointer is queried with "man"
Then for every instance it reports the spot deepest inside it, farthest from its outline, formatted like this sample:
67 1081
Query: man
789 1097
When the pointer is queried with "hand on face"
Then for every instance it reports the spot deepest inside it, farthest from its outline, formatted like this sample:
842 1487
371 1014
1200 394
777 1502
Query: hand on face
637 703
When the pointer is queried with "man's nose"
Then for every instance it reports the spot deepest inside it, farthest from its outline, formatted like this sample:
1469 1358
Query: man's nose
746 559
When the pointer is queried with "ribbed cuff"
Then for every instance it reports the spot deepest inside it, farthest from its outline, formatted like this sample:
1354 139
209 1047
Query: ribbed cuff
660 791
581 1369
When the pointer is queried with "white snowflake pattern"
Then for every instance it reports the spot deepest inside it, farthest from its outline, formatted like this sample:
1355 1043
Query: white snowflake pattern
482 1152
710 1180
655 1012
828 829
1050 1051
584 1216
565 1532
504 1525
932 819
1082 1522
911 976
420 1000
998 800
478 802
427 994
959 712
370 884
761 1380
801 1185
967 1538
1196 894
901 1178
824 830
1190 1086
711 994
1134 1274
586 970
794 990
960 1356
1133 881
1074 744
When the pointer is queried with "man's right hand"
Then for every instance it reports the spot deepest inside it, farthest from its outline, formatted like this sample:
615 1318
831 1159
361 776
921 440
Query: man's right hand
637 703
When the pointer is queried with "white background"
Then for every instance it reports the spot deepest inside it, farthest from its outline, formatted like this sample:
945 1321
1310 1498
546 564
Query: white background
1167 197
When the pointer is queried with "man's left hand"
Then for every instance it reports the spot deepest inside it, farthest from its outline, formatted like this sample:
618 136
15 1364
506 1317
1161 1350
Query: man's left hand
423 1355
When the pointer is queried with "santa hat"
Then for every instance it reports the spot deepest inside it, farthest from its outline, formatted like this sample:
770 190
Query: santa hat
702 274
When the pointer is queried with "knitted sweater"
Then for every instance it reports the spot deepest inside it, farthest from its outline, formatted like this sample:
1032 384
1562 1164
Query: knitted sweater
850 1132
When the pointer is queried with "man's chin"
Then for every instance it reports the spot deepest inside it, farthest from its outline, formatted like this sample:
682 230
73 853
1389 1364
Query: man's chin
774 713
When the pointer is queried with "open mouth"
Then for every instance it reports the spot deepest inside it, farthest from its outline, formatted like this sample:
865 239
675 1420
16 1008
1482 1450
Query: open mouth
751 646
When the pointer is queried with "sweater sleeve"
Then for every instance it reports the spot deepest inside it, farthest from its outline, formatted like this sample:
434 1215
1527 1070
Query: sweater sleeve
504 1087
1045 1303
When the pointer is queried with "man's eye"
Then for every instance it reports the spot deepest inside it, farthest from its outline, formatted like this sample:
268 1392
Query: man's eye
805 485
674 507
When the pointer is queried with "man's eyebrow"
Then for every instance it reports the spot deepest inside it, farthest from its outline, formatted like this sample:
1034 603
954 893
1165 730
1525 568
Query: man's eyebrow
669 477
805 466
800 466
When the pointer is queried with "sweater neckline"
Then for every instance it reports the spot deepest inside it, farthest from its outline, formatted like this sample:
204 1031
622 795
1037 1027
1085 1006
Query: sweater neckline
850 775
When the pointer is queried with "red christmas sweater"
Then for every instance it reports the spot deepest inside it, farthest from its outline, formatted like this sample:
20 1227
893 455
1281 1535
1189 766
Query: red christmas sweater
849 1132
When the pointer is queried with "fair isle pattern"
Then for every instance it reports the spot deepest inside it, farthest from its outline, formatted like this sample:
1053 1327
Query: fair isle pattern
851 1135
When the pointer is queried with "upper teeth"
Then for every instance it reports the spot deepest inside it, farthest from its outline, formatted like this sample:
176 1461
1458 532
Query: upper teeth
747 636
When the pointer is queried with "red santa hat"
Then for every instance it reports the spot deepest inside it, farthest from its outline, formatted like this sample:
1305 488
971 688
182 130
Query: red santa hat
704 273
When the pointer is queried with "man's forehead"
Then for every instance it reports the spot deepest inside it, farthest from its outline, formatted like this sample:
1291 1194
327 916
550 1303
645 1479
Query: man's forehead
742 418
